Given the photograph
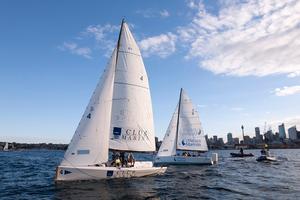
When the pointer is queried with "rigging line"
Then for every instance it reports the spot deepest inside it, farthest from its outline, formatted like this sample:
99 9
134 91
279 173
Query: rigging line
177 126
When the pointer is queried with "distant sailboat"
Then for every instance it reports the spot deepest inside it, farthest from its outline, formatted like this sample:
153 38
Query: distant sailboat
184 136
5 148
118 117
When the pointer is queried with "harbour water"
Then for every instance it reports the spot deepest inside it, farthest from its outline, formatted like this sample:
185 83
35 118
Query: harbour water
29 175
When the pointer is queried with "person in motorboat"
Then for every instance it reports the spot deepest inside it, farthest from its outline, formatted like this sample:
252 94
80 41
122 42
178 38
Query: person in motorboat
265 151
242 151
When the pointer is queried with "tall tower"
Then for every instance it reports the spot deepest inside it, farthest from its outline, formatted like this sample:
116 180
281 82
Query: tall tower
282 134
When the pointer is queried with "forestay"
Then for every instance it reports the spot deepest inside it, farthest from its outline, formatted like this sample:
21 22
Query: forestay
132 126
190 133
89 144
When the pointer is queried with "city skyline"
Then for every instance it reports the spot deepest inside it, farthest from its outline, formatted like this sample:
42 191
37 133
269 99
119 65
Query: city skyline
239 69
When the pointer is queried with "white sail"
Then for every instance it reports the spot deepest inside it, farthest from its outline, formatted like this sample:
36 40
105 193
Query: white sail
5 148
168 145
132 127
89 144
190 133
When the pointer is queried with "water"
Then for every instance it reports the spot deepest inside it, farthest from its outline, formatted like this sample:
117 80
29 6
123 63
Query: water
29 175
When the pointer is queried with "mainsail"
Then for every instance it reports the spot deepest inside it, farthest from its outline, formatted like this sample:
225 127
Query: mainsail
89 144
185 131
132 127
190 134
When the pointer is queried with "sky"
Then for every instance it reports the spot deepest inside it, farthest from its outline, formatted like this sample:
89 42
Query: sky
239 61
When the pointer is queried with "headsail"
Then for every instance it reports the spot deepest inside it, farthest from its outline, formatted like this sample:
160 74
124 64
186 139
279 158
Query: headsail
132 127
89 144
190 133
5 148
168 146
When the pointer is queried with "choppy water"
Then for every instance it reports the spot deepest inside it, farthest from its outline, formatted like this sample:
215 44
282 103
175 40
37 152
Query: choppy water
29 175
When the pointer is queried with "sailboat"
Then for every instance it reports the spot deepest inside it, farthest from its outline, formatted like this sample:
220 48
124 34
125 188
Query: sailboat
184 141
5 148
118 118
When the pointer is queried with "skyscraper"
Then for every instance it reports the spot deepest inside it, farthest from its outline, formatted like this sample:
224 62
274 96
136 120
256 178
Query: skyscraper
293 133
281 129
258 136
229 138
257 132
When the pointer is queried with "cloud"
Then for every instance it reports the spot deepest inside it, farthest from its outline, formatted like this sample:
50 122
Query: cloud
162 45
201 106
288 122
151 13
102 36
75 49
164 13
245 38
294 74
287 90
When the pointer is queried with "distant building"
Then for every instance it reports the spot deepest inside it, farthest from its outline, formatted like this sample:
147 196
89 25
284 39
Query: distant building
293 133
281 129
236 140
247 139
220 142
215 139
229 138
269 136
257 132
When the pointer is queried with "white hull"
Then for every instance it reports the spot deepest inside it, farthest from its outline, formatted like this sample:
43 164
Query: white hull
183 160
70 173
266 158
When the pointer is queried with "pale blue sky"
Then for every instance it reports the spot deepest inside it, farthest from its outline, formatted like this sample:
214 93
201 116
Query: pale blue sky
239 62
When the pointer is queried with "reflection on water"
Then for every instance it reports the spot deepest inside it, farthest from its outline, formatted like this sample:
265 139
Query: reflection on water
137 188
29 175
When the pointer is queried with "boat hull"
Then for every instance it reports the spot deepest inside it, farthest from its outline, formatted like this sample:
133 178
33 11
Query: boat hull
266 159
239 155
183 160
70 173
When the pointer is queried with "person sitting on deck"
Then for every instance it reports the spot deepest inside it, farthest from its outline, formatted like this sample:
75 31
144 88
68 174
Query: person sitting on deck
122 158
130 160
113 158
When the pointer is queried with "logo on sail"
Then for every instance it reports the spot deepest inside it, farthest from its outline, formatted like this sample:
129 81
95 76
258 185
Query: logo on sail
130 134
191 142
117 132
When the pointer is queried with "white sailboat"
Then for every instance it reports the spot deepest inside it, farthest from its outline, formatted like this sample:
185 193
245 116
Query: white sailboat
184 141
118 117
5 148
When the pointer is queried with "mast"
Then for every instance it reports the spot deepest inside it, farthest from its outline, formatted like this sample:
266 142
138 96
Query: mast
177 125
242 127
119 42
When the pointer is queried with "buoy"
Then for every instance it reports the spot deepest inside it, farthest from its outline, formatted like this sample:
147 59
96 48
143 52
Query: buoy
214 158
